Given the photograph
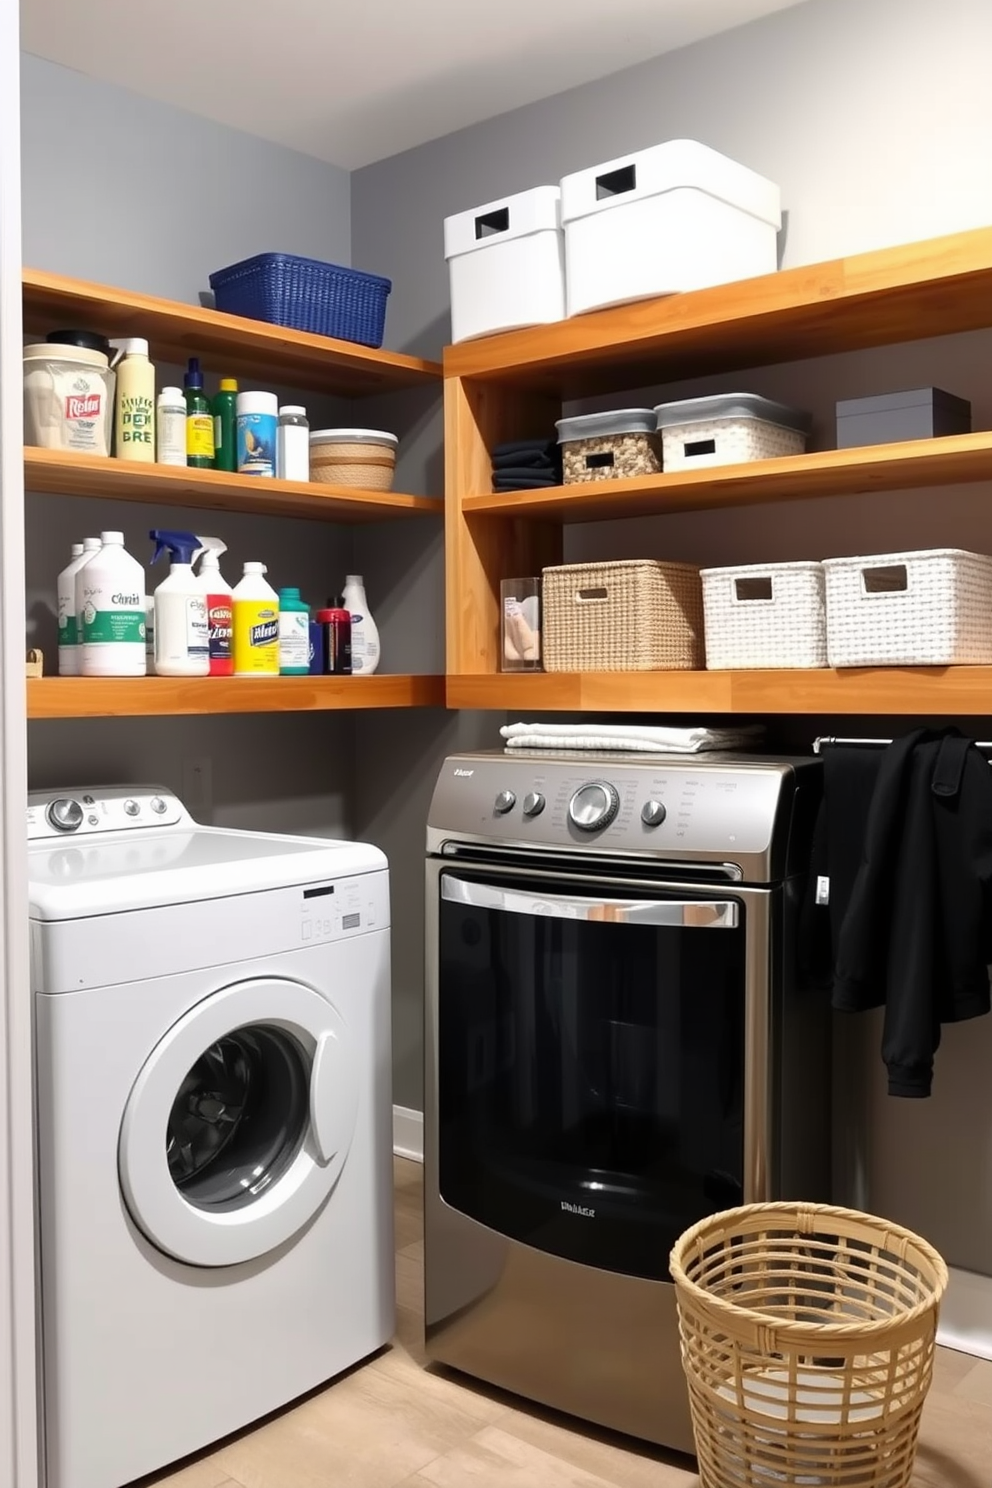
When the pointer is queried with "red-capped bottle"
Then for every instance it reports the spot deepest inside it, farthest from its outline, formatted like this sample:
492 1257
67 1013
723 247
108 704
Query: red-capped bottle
336 624
220 611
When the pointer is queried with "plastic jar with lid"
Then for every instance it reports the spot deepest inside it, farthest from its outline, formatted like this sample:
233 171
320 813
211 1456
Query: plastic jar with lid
68 397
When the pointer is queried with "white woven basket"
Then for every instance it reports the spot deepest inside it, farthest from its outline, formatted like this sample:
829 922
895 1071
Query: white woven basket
931 608
769 615
728 441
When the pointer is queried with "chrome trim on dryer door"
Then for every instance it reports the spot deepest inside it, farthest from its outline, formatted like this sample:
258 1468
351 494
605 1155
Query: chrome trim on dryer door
695 914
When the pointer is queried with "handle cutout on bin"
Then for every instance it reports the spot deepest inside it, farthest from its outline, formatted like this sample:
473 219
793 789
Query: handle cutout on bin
616 183
759 587
491 223
603 461
584 596
699 447
892 578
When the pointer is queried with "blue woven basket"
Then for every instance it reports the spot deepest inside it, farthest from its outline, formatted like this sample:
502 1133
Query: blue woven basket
306 295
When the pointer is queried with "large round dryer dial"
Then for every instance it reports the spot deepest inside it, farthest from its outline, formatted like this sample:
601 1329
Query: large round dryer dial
593 806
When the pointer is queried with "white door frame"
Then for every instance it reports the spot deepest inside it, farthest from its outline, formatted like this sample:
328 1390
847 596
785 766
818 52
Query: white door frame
19 1434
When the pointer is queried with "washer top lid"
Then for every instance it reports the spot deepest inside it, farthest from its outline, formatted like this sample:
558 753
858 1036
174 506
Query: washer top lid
111 867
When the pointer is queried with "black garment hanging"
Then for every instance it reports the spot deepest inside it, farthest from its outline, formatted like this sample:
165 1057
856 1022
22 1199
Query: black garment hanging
916 935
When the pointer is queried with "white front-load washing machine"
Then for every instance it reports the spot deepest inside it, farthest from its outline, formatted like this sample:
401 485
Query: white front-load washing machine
214 1124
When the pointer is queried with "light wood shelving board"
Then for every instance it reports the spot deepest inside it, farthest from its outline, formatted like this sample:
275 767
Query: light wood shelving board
152 697
955 460
68 473
227 344
937 287
913 691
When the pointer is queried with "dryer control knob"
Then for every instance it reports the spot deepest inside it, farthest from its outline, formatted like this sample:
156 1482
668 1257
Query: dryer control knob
65 815
159 806
504 802
534 803
593 806
653 813
132 808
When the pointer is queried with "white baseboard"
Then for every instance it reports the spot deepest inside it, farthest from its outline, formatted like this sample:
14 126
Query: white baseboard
966 1314
408 1133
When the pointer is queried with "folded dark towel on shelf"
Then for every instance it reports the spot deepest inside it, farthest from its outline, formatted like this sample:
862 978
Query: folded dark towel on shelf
533 459
520 483
518 446
528 472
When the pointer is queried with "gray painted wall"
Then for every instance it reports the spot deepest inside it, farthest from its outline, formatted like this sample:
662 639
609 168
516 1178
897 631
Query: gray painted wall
875 116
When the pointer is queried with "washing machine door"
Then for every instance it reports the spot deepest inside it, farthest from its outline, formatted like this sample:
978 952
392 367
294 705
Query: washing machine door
239 1123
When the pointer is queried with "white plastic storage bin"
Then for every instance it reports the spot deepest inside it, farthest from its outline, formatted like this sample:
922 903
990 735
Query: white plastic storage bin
675 217
931 608
506 264
765 615
728 429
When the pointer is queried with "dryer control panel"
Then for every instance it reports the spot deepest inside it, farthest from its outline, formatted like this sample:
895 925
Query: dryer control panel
88 811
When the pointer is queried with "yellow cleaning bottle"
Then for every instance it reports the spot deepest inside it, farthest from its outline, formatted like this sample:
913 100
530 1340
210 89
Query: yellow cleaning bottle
256 625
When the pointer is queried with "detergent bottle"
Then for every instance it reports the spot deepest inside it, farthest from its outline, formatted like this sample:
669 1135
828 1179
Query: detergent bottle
181 639
220 616
110 611
256 625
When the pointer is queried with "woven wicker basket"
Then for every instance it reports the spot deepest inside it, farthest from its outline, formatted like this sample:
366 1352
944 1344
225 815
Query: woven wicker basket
807 1340
640 615
765 616
930 608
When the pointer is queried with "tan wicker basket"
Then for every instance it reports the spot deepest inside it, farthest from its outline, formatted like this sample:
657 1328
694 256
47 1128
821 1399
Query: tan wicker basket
807 1340
639 615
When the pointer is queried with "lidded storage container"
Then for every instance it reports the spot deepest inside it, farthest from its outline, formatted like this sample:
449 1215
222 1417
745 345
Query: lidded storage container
930 608
506 264
919 413
765 615
364 458
609 446
68 397
675 217
639 615
728 429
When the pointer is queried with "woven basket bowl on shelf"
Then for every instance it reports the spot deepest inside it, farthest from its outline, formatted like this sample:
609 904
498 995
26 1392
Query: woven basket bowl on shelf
808 1335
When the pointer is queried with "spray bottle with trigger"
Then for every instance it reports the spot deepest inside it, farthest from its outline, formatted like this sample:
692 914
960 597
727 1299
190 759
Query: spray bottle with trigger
220 612
181 637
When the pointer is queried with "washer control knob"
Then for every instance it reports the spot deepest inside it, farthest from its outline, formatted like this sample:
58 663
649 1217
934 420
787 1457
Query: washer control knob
131 808
593 806
534 804
65 815
158 806
653 813
504 802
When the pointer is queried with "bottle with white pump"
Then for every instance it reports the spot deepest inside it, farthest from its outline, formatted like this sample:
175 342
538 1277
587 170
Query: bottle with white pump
364 632
69 637
134 427
110 603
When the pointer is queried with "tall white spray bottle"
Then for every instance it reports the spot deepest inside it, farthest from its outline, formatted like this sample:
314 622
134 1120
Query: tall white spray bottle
181 639
364 632
69 637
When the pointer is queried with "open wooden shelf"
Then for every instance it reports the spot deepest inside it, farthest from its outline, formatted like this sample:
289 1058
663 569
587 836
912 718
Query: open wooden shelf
934 288
151 697
226 344
873 690
72 474
955 460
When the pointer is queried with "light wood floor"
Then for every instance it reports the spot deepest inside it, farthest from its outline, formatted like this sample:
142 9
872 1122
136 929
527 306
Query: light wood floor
395 1424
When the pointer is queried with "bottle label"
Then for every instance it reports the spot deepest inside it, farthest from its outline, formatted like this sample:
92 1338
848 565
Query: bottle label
265 633
218 434
137 423
294 639
199 436
256 443
220 627
114 626
197 635
68 635
171 436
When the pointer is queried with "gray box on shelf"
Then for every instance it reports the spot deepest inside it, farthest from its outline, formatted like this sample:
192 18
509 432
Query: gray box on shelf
920 413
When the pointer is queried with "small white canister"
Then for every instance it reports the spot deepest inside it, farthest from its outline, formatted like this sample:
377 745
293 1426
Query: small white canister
68 398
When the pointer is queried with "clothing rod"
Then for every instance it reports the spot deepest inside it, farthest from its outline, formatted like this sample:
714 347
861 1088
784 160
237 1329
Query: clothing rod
829 740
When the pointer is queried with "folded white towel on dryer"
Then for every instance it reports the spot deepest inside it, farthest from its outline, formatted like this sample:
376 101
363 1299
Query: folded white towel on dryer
628 737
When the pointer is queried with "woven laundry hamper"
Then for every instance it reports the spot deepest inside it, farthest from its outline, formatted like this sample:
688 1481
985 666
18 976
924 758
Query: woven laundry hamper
638 615
807 1338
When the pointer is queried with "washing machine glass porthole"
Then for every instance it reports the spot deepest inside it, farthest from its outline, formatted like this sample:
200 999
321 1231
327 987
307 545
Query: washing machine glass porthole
239 1117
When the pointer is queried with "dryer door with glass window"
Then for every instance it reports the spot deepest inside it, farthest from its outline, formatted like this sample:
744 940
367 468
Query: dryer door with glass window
239 1123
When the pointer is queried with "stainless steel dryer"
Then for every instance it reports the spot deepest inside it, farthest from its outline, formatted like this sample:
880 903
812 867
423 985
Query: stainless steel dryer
618 1043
